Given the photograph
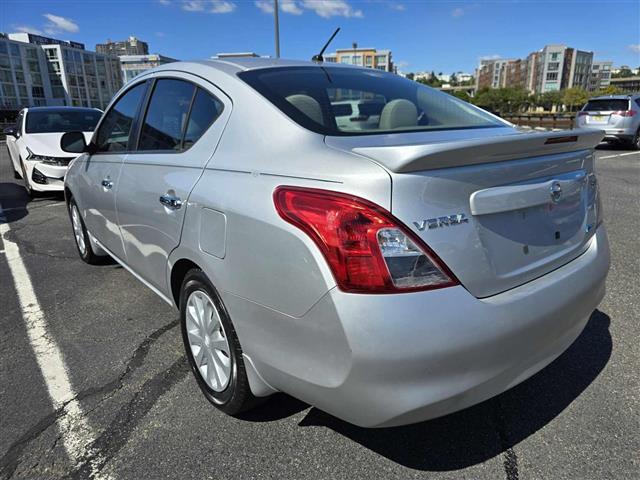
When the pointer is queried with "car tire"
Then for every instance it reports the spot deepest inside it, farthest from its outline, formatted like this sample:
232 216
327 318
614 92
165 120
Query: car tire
27 186
635 142
81 237
226 387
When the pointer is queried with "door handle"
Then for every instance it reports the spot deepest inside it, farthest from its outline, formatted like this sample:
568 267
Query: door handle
171 201
107 183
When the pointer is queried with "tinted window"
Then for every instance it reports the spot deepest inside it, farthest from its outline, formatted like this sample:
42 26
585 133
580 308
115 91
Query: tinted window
113 135
607 105
206 108
385 103
47 121
166 115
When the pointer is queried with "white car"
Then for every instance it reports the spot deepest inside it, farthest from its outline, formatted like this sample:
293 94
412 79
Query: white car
34 144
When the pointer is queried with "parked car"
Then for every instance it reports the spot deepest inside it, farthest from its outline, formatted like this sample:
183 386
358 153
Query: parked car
386 275
34 144
617 115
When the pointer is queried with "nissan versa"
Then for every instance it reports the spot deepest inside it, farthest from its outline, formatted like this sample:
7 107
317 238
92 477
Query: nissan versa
371 246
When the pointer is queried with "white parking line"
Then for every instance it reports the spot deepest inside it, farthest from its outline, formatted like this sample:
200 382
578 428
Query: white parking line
77 434
620 155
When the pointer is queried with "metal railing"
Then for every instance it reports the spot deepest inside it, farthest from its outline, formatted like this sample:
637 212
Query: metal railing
543 120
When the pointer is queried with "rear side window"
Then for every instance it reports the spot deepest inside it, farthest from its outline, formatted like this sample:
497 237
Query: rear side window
206 108
346 101
166 115
113 134
607 105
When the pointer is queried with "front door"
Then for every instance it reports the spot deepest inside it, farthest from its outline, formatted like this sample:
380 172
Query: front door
181 128
100 180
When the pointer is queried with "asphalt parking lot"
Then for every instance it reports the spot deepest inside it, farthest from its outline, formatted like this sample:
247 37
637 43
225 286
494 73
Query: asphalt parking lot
132 409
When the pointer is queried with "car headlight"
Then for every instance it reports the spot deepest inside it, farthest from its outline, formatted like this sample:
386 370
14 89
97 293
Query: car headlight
34 157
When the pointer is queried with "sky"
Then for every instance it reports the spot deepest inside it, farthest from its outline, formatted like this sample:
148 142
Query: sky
444 36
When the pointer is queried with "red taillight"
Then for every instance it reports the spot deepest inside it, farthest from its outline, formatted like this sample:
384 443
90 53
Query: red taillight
625 113
367 249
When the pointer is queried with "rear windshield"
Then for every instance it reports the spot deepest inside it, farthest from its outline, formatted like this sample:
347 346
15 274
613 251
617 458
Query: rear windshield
607 105
51 121
345 101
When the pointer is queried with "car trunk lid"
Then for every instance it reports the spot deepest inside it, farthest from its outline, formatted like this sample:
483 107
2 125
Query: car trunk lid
499 210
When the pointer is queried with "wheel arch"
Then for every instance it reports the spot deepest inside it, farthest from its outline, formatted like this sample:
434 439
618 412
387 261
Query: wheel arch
178 272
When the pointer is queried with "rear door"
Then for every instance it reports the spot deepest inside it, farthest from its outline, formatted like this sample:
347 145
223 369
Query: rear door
180 129
99 182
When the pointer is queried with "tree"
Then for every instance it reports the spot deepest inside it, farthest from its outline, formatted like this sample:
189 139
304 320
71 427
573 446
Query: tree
410 76
575 96
547 100
453 79
462 95
609 90
503 100
623 73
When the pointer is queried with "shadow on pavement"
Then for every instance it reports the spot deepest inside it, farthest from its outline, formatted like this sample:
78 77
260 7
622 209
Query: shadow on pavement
618 146
483 431
16 203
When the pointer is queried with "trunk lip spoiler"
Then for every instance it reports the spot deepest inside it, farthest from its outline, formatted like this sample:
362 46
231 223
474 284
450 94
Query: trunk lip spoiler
444 154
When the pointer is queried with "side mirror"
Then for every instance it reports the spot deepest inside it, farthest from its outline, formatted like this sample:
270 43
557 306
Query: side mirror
10 131
73 142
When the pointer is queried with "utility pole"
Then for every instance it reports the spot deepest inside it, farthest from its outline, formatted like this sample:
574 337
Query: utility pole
277 27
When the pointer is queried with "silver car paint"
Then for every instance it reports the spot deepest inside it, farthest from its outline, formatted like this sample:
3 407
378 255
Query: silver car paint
370 359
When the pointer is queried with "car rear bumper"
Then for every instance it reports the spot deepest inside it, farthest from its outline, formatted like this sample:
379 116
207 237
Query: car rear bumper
385 360
625 134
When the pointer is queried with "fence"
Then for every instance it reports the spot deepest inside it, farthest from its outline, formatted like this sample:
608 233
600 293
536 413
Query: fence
543 120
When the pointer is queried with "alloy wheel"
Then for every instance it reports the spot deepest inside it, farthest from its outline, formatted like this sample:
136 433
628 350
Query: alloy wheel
208 341
77 229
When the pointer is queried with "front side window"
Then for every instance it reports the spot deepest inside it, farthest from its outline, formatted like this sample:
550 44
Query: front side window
166 115
345 101
61 120
114 132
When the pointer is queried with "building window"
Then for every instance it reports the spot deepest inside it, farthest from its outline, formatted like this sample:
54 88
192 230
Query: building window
553 66
552 76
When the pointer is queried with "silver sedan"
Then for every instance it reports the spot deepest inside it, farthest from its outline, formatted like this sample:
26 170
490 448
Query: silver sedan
371 246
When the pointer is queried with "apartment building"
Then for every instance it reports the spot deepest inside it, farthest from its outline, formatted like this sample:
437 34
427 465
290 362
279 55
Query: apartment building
133 65
42 71
130 46
555 67
364 57
492 73
600 77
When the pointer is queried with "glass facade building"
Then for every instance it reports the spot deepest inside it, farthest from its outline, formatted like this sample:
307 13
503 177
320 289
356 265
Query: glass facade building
40 71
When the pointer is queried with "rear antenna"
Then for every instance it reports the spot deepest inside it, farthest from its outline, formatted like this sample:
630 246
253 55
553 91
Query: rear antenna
319 57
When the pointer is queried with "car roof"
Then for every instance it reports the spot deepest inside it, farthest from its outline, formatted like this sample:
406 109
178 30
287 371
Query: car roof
233 65
59 109
616 97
